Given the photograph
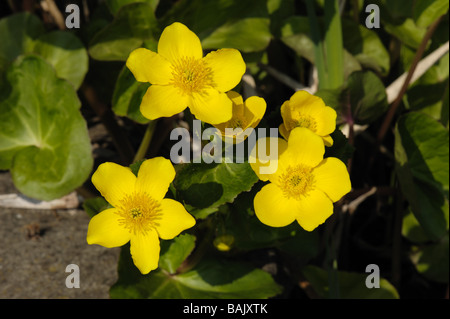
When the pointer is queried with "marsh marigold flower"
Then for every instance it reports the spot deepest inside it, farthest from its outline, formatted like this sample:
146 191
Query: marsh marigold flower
305 184
181 77
306 110
140 214
246 115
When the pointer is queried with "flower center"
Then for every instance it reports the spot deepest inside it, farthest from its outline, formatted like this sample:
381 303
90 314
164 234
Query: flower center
304 121
237 123
139 213
191 75
297 181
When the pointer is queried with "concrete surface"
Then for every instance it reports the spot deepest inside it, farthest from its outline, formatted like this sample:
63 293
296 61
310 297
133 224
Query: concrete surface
37 245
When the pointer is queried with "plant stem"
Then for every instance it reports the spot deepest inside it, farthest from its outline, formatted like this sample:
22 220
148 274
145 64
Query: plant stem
334 53
319 58
392 110
145 143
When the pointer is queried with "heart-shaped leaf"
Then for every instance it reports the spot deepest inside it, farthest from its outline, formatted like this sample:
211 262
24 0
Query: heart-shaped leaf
43 137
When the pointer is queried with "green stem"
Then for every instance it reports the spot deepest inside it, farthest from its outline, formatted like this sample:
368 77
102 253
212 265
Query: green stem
145 143
334 52
319 58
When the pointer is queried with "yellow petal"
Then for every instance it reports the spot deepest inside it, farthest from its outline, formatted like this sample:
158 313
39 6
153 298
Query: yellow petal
286 114
154 177
162 101
272 208
265 164
114 182
104 229
305 100
227 67
313 210
174 219
237 110
304 147
283 131
255 107
145 250
178 41
235 97
304 103
331 176
148 66
325 120
211 106
327 140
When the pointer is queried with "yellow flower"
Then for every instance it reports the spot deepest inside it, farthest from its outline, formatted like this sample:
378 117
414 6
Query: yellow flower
304 186
245 115
140 214
306 110
181 77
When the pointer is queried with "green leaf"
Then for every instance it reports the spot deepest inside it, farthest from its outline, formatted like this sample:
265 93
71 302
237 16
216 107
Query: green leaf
365 45
431 260
127 96
175 251
422 157
204 187
66 53
43 137
295 33
407 32
210 279
115 5
367 97
18 33
95 205
249 233
236 35
425 12
412 230
351 285
24 33
242 25
133 24
434 82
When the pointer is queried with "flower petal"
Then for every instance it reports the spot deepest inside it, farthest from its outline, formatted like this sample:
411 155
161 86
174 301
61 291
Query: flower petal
313 210
274 209
174 219
211 106
304 147
178 41
325 120
104 229
264 160
227 67
283 131
148 66
254 110
154 177
144 248
235 97
113 181
303 103
162 101
332 178
327 140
